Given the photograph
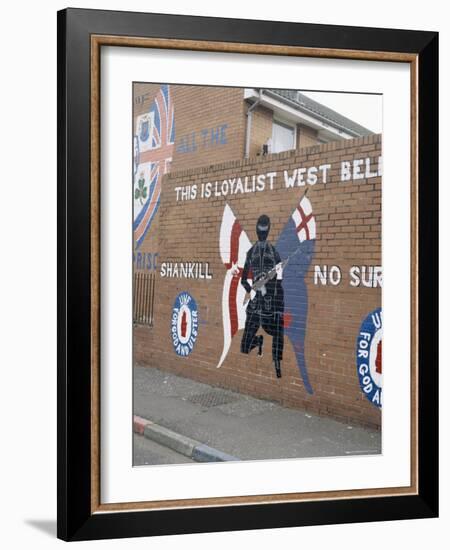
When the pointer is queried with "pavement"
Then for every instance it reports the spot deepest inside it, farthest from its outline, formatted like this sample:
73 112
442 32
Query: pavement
180 420
147 451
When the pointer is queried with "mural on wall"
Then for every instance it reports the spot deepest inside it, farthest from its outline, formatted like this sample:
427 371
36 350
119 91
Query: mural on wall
153 148
369 357
206 138
265 297
184 324
264 285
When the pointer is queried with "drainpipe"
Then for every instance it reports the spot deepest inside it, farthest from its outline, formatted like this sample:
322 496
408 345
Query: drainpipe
249 123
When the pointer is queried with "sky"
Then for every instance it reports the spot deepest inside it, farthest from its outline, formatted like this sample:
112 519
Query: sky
365 109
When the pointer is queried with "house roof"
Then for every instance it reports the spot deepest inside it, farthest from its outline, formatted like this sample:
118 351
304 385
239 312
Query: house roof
314 108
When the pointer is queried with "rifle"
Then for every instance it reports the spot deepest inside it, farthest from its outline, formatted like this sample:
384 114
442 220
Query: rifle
260 284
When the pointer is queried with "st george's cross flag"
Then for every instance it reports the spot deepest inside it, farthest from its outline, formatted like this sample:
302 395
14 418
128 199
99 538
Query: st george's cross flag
297 242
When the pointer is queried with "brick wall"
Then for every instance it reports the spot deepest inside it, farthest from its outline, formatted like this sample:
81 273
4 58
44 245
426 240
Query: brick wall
261 129
348 233
209 128
306 137
209 122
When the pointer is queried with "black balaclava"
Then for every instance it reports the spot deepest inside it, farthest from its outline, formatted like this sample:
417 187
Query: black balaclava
263 227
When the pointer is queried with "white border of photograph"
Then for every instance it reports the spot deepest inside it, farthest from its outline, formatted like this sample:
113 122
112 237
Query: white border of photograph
120 482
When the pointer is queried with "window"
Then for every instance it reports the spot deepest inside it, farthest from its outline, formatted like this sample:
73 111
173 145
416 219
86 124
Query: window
283 137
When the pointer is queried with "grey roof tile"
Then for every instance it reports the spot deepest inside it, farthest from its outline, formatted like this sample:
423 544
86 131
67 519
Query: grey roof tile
308 105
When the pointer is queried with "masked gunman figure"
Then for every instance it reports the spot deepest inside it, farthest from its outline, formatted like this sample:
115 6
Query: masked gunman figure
266 301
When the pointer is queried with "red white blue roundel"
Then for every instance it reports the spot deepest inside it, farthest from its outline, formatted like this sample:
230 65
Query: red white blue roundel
184 324
369 357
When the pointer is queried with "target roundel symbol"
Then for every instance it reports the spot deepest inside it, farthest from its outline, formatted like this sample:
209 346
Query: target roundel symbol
184 324
369 352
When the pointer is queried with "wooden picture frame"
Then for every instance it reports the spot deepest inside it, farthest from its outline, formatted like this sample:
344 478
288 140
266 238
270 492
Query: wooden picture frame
81 35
